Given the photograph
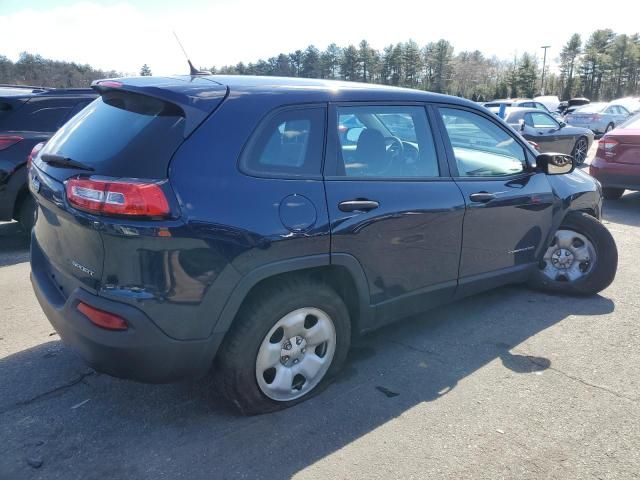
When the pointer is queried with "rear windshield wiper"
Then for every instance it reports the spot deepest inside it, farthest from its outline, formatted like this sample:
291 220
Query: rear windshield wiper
64 162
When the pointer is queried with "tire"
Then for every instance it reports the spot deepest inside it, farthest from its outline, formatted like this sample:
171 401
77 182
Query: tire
580 150
237 372
27 214
598 273
612 193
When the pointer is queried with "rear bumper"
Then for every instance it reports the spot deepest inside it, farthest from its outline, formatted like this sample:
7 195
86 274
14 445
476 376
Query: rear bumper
142 352
615 175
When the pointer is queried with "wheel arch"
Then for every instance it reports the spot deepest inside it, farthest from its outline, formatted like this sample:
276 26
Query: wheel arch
342 272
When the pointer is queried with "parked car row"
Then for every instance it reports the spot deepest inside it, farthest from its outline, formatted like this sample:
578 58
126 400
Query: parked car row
28 116
571 128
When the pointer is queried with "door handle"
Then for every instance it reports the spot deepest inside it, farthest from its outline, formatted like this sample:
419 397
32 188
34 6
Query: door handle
358 205
482 197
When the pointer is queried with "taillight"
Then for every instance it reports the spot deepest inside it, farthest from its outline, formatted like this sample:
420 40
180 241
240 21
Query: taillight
7 140
101 318
608 146
118 197
34 152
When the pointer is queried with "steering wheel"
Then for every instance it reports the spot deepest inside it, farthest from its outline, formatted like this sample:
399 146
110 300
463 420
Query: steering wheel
395 147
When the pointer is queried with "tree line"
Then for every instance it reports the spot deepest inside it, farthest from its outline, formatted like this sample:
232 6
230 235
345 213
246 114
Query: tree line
36 70
604 66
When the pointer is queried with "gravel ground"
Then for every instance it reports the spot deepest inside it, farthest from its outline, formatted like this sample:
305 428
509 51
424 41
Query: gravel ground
507 384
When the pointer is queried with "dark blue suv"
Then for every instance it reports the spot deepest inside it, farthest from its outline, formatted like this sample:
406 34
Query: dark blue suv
256 225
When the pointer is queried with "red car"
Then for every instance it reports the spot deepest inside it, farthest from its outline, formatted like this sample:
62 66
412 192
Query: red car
617 161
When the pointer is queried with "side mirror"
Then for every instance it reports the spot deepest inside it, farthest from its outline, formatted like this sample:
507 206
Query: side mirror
562 124
521 123
555 163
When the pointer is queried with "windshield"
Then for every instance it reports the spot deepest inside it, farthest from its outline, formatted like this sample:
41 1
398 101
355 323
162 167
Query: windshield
591 108
399 124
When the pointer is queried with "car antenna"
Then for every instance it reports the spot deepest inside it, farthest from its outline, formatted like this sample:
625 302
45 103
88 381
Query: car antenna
192 70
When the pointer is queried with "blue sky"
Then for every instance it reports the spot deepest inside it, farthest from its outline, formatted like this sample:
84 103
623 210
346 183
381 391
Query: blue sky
124 34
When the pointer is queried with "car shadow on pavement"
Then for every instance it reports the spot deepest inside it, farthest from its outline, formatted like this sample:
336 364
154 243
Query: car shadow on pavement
625 211
75 423
14 244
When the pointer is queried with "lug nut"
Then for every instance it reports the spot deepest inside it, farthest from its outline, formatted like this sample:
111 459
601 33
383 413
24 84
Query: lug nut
287 346
295 361
285 358
303 350
298 341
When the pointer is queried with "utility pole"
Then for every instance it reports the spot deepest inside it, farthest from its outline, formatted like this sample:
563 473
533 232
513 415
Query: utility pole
544 64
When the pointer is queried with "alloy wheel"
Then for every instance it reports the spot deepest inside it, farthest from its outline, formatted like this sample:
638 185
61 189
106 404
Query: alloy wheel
580 151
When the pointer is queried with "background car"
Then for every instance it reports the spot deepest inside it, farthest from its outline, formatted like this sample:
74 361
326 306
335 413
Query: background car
550 101
617 161
28 116
598 117
630 103
569 106
548 134
494 106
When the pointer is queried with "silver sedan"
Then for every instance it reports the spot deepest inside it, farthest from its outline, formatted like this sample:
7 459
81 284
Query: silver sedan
598 117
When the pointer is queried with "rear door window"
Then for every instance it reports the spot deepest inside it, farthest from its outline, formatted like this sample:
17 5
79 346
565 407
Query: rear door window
386 142
122 134
289 143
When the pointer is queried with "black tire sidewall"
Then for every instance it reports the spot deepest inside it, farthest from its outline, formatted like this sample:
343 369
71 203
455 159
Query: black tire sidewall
26 214
237 360
606 264
610 193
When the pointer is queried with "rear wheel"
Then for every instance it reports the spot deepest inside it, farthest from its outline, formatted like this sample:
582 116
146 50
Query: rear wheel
286 346
582 258
580 150
612 193
27 214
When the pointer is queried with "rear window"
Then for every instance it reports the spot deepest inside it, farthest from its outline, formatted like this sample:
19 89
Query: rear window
591 108
122 134
633 122
287 144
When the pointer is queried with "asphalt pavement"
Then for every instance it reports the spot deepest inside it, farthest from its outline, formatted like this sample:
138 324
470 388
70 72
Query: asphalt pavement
508 384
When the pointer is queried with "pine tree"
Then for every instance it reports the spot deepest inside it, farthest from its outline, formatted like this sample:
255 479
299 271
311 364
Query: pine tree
145 71
526 76
568 58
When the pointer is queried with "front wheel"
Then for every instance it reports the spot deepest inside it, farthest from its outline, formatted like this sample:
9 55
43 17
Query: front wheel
287 344
580 150
612 193
581 259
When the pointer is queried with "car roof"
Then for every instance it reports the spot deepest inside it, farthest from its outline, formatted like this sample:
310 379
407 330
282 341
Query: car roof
509 110
297 89
24 91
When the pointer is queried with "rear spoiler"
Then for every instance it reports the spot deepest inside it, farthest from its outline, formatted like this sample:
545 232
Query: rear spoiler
197 97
